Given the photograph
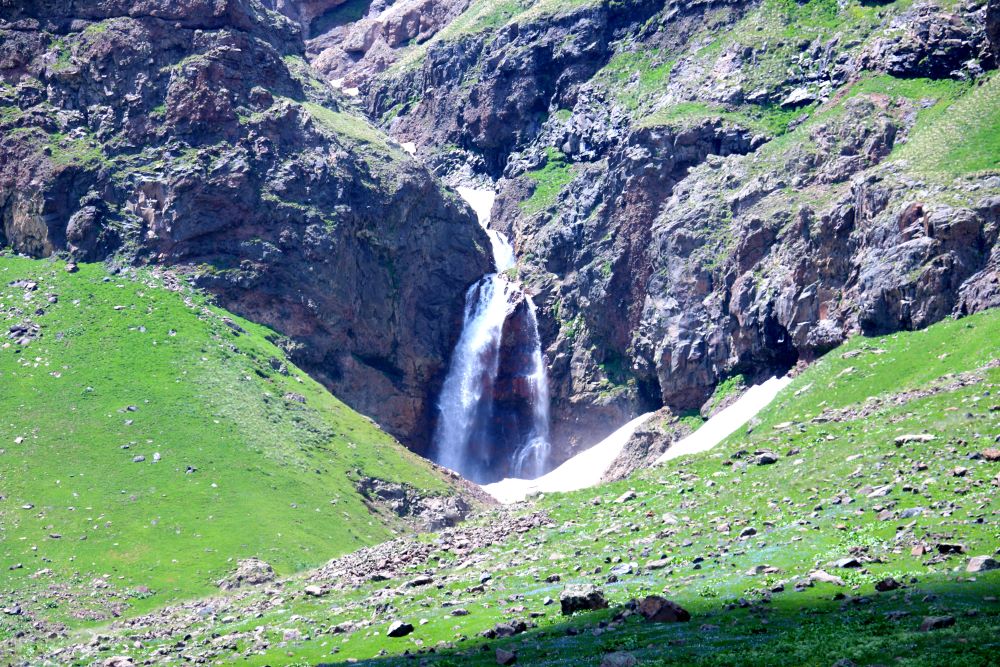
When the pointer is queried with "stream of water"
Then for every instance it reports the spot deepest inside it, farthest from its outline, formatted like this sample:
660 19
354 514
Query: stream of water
476 420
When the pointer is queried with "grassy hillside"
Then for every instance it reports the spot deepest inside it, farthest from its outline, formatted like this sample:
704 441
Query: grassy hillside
242 454
841 486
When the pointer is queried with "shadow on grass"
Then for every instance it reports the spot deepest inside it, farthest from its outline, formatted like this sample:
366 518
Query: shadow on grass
823 626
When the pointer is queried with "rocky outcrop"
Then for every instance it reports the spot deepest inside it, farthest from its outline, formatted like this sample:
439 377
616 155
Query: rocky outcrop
356 52
194 134
927 41
429 512
650 441
489 92
249 572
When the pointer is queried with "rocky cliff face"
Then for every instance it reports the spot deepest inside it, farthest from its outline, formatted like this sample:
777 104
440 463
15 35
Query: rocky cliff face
702 189
194 134
355 52
695 189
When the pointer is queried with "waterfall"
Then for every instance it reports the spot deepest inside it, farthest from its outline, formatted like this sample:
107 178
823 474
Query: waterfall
485 411
531 459
471 377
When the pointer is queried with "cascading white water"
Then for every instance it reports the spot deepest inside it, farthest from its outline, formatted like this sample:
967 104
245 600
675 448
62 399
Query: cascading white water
466 405
531 459
473 372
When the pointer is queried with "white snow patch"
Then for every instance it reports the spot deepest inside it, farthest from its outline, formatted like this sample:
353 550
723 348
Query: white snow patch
582 471
587 468
339 85
720 426
409 146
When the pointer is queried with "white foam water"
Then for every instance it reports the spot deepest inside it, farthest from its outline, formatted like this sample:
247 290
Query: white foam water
466 396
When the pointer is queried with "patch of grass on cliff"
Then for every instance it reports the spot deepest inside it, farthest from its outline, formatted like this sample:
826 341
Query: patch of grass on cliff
840 487
684 114
550 179
255 460
771 119
354 127
633 77
777 31
929 98
960 134
726 389
483 15
83 150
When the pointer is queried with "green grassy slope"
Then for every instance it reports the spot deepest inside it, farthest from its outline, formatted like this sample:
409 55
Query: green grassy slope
841 487
256 458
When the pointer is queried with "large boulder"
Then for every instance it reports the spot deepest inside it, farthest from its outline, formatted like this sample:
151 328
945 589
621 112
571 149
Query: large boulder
580 598
658 609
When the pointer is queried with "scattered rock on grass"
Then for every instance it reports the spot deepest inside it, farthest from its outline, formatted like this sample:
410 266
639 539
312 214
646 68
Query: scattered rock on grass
577 598
982 564
399 629
937 623
766 458
625 497
620 659
887 584
661 610
119 661
913 437
505 657
825 577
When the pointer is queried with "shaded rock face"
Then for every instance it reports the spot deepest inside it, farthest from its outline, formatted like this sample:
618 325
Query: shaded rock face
930 43
993 28
305 13
596 268
356 52
719 271
514 393
192 133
